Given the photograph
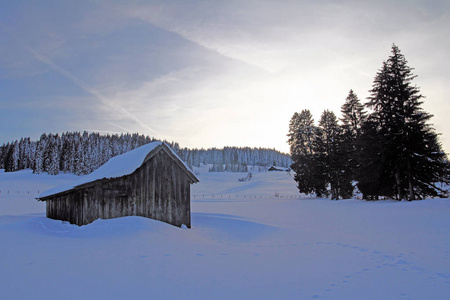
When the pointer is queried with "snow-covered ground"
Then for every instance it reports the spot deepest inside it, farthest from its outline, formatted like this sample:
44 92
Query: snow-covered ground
249 240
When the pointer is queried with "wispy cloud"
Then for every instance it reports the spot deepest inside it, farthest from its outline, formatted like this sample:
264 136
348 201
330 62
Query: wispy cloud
103 131
193 70
90 90
123 128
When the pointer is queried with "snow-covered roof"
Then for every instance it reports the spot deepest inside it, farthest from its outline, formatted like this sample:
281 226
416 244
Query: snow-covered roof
275 168
117 166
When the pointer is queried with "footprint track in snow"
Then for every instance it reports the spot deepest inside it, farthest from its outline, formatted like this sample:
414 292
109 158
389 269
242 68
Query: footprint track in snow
383 260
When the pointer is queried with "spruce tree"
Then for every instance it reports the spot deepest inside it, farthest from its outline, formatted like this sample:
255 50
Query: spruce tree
301 133
334 157
371 173
307 159
353 115
2 155
12 158
39 157
411 152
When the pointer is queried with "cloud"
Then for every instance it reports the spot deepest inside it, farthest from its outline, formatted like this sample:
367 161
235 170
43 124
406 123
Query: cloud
90 90
215 73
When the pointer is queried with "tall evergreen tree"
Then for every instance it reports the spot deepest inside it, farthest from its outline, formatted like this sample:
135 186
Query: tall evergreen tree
307 160
301 133
411 149
335 160
2 156
371 173
12 158
353 116
39 157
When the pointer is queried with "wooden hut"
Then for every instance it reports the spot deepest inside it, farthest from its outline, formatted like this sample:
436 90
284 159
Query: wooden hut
150 181
280 169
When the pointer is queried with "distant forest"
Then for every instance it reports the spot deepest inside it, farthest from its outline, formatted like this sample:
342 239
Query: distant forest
82 153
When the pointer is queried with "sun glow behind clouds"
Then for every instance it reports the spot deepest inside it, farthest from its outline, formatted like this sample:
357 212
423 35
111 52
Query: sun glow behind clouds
213 74
315 53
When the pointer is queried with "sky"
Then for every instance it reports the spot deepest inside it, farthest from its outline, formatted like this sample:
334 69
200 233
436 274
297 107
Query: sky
208 73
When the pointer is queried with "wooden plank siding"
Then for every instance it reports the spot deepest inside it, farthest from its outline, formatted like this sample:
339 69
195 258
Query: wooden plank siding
159 189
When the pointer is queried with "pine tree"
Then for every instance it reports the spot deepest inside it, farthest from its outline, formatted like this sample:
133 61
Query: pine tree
370 172
301 133
66 152
2 156
23 159
51 162
39 157
411 149
353 115
307 159
334 155
12 158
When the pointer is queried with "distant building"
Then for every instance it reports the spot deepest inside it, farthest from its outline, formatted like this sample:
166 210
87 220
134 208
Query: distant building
150 181
273 168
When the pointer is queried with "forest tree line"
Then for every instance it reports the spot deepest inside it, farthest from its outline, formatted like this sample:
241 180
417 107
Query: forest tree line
82 153
386 146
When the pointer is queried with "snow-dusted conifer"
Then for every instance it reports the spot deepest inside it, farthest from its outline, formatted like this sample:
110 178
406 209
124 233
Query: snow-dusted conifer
303 137
39 156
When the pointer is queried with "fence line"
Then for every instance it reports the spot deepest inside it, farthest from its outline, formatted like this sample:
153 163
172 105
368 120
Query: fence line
10 192
248 196
195 196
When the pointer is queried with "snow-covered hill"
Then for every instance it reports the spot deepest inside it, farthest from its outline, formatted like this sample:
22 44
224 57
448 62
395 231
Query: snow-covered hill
250 240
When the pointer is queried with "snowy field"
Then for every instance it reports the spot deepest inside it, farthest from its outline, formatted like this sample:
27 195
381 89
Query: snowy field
249 240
